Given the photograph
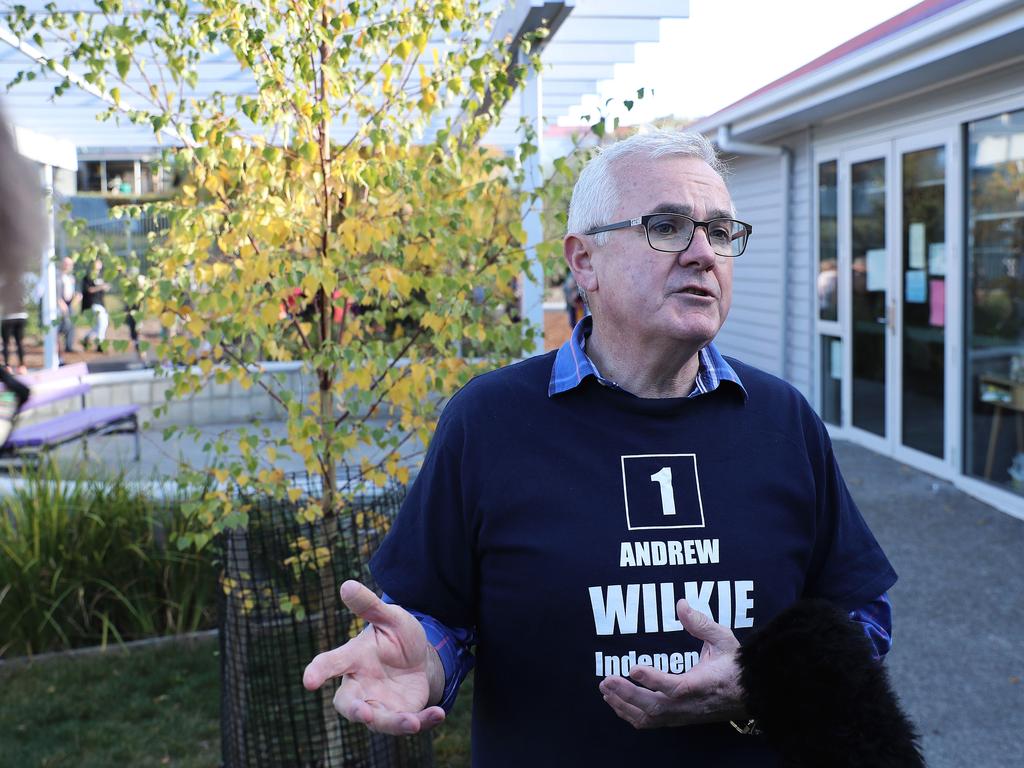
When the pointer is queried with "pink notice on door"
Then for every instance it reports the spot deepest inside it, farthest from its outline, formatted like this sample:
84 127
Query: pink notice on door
937 302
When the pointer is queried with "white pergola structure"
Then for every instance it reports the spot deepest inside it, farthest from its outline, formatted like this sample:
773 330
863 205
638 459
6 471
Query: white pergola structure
589 37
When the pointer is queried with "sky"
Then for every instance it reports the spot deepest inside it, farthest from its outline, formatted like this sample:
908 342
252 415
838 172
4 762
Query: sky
729 48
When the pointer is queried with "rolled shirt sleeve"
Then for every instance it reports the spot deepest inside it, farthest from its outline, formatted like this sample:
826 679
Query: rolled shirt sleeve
453 647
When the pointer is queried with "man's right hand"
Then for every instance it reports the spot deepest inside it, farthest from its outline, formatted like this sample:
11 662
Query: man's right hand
390 673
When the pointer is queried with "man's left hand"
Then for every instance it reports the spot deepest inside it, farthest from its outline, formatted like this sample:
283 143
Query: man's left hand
709 692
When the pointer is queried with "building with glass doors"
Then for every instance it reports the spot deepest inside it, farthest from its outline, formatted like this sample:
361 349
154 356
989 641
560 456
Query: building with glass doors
885 278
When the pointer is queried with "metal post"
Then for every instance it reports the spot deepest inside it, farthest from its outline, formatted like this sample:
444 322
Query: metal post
48 274
532 299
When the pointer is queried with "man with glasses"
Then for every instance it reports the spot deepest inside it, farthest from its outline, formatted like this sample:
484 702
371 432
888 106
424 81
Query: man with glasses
564 562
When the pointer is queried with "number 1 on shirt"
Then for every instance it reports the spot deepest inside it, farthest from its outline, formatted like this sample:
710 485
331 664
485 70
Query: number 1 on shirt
663 477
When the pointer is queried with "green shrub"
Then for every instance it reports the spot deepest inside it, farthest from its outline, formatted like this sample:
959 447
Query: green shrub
85 562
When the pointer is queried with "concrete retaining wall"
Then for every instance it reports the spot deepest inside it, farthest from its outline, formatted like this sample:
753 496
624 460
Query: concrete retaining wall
213 404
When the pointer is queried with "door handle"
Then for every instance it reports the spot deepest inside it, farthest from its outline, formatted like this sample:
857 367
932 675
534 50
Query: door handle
889 318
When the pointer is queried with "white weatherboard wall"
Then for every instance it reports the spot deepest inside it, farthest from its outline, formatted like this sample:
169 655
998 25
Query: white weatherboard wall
754 325
753 331
903 90
801 269
768 283
942 105
941 108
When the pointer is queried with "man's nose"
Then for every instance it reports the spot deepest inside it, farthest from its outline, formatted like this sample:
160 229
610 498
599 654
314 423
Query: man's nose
699 253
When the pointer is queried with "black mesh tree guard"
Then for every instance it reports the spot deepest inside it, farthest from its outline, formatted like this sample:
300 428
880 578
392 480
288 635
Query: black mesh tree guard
279 608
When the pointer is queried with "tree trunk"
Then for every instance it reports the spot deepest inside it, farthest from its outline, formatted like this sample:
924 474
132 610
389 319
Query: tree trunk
332 631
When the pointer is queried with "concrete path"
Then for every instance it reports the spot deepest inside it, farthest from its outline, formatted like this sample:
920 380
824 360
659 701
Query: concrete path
958 655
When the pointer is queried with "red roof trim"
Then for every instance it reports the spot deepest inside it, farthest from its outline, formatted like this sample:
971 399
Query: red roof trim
896 24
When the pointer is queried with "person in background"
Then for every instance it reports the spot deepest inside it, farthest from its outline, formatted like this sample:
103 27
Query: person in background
94 291
573 300
132 310
67 292
133 328
12 326
21 242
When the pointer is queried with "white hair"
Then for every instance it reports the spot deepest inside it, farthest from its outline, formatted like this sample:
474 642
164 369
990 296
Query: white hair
596 194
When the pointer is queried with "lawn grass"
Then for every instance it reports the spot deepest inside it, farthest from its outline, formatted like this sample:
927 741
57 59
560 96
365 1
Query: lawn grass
153 706
451 738
150 706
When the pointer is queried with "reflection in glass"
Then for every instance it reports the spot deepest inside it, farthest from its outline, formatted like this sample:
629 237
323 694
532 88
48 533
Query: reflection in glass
828 240
994 434
831 379
120 177
924 299
868 282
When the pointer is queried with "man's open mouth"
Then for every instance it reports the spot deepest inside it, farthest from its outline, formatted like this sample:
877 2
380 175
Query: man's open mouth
695 291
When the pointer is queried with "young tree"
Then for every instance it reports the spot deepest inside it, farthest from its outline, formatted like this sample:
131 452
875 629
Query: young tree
340 211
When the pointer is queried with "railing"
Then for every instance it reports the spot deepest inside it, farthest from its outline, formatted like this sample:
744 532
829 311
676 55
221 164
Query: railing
123 236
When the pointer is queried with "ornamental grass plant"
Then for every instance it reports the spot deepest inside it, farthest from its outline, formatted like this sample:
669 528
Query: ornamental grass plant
94 561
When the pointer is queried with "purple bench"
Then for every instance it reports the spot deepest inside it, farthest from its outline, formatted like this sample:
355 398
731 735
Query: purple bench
56 384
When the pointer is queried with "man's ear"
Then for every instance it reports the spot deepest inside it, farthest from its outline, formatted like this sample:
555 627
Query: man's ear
580 261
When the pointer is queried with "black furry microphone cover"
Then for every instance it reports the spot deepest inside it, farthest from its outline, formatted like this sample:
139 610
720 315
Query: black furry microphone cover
820 697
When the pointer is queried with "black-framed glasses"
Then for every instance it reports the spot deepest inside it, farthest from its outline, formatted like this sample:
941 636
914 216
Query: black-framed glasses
673 232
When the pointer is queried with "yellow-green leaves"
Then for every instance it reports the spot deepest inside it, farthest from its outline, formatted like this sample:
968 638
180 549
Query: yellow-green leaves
377 255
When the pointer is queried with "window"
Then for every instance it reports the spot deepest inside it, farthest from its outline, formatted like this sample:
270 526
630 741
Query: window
90 176
831 384
828 243
994 386
924 300
121 177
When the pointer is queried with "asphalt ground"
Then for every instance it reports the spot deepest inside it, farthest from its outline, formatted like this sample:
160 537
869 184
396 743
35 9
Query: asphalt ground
957 661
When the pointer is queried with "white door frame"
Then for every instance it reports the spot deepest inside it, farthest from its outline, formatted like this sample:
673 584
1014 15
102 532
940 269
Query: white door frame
847 159
892 153
950 121
949 139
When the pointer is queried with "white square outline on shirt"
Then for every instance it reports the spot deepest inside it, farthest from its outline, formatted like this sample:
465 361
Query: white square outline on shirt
625 492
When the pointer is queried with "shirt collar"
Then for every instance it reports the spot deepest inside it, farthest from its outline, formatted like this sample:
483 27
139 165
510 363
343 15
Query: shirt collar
572 366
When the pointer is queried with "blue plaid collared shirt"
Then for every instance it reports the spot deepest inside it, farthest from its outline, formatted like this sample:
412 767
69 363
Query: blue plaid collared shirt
571 367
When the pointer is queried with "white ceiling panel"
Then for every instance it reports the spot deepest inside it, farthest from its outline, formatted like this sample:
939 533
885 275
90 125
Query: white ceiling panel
592 37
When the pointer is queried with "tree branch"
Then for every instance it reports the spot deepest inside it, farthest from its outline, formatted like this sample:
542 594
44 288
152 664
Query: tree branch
259 381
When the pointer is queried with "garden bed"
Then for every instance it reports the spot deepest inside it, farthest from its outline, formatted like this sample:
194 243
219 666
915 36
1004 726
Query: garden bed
88 562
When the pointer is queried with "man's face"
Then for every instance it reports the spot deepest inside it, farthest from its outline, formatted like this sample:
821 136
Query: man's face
66 265
644 295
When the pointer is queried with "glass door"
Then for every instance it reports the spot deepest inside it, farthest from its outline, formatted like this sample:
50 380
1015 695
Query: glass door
922 312
890 327
869 281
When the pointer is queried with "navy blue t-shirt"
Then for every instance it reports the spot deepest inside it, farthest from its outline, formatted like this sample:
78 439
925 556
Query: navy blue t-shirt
565 528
